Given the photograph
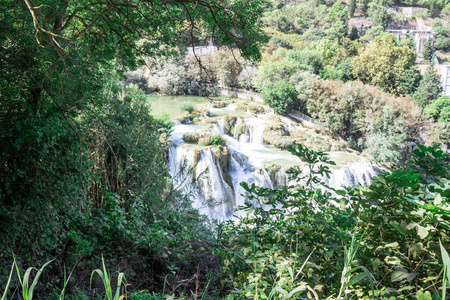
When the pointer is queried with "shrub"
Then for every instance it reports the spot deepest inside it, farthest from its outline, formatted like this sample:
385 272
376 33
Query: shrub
439 110
281 96
189 107
313 35
331 73
281 42
345 67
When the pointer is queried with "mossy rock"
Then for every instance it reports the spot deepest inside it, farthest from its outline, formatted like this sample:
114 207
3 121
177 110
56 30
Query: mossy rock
238 127
211 139
222 154
340 146
229 122
298 134
228 179
256 108
242 106
192 137
276 127
196 159
277 139
220 104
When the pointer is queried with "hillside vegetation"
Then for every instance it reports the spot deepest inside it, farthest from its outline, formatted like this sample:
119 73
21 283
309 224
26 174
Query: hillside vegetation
84 181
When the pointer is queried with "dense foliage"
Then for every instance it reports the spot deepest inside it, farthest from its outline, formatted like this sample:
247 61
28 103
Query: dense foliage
382 240
83 169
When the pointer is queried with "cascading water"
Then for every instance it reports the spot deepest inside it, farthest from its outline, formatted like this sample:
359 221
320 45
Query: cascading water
218 172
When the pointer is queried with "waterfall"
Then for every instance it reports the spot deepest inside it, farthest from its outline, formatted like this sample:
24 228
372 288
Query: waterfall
256 127
219 127
212 178
214 196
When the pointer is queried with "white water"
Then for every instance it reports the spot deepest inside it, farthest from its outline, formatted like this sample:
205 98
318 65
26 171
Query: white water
218 189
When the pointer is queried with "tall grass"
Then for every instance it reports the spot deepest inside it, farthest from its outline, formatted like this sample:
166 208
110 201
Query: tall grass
27 290
5 293
348 276
107 282
66 281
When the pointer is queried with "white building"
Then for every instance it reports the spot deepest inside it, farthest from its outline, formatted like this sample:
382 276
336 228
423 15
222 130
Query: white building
445 75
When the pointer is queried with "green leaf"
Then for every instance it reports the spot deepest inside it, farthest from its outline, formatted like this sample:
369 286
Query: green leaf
401 274
423 231
423 296
355 279
392 260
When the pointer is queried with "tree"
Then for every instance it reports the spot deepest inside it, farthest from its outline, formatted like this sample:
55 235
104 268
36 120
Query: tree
332 53
227 68
353 35
352 8
378 15
303 82
410 81
428 51
364 6
281 96
429 89
82 159
346 68
383 63
338 20
167 75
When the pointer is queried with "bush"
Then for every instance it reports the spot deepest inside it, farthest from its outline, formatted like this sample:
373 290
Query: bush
439 110
442 43
295 241
331 73
281 96
345 67
281 42
189 107
313 35
384 147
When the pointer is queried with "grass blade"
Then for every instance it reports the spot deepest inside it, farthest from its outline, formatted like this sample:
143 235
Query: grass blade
446 276
26 278
66 281
36 279
119 282
5 293
304 264
445 259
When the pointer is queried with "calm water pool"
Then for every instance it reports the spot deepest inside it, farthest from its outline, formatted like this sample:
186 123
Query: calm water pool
174 106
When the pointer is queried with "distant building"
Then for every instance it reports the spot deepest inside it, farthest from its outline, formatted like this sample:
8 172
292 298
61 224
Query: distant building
419 36
203 50
445 74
